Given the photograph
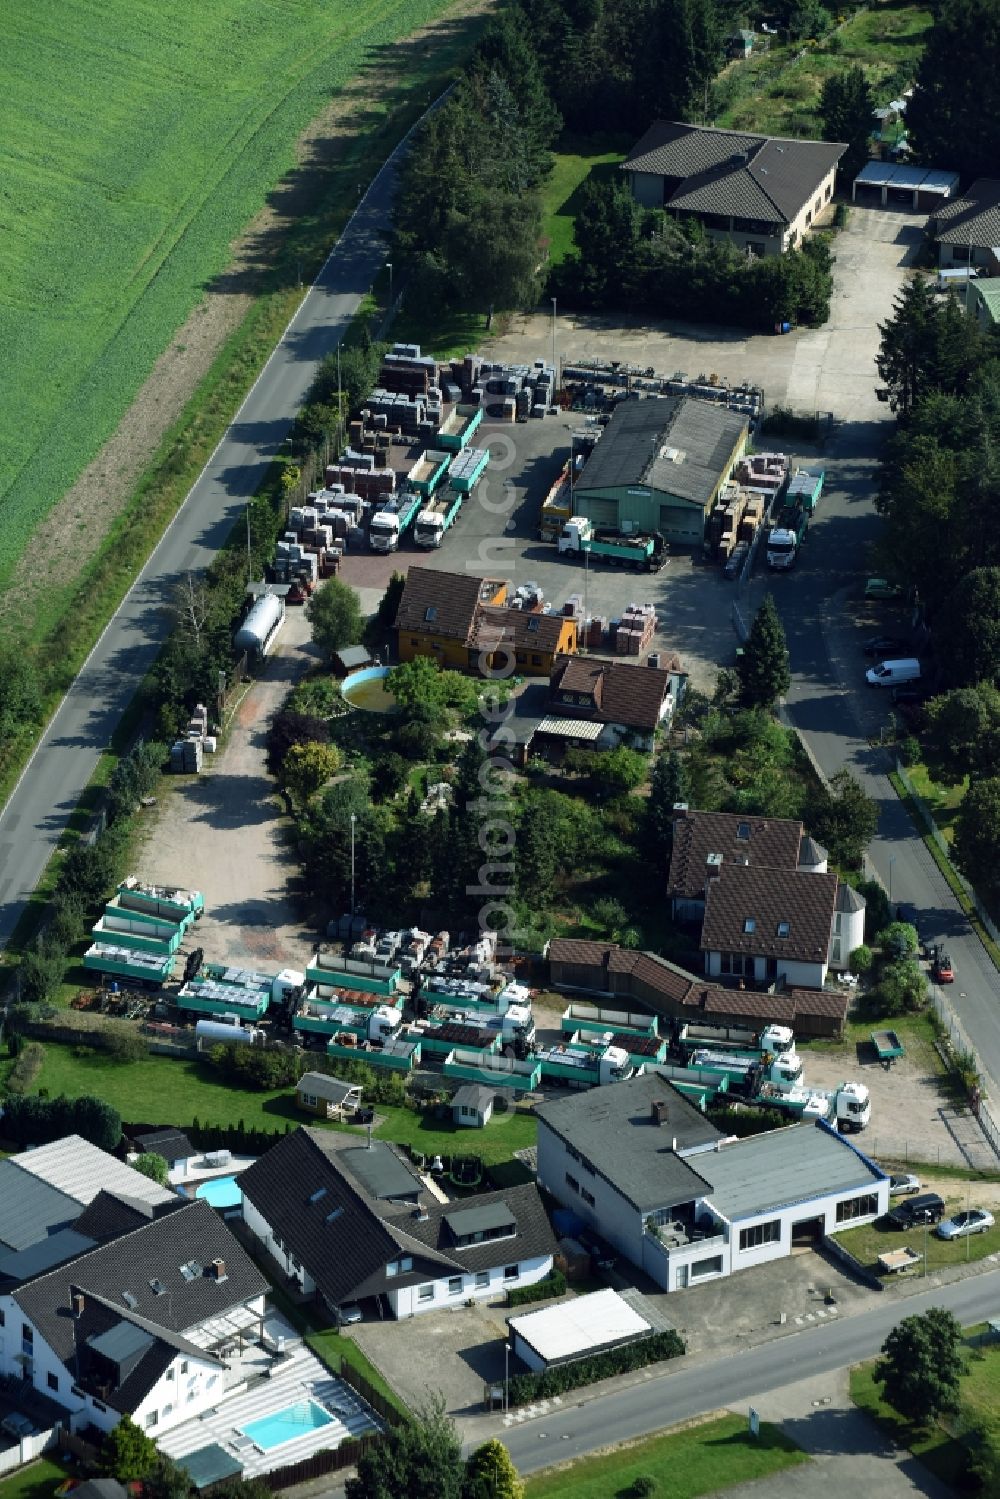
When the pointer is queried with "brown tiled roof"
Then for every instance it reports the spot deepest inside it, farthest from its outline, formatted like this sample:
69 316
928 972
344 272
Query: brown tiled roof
730 172
974 217
819 1002
620 692
581 950
517 628
771 842
453 597
767 897
664 977
771 1009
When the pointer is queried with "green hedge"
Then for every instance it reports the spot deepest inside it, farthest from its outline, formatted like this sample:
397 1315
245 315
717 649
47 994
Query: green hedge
661 1345
554 1284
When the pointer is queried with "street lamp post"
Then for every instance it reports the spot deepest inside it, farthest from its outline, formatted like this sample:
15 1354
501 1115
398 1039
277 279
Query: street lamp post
354 818
506 1376
555 375
388 266
892 861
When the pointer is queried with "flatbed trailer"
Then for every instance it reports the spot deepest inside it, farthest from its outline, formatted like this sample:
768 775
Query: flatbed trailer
149 970
391 1056
208 997
117 906
138 932
459 427
382 979
895 1260
495 1071
888 1047
160 900
591 1019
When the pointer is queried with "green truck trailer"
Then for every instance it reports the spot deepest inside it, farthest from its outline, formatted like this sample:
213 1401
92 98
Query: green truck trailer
390 1056
377 1022
206 996
643 552
460 427
356 974
443 1038
160 900
579 1063
117 907
494 1071
126 929
595 1019
148 970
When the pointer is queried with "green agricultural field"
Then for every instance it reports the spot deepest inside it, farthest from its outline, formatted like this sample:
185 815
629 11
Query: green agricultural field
136 141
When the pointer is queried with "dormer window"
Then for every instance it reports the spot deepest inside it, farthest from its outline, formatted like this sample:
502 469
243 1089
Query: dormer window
784 928
749 925
743 832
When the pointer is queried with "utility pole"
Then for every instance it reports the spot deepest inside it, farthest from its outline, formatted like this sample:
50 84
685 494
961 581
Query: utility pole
555 372
340 412
249 553
354 818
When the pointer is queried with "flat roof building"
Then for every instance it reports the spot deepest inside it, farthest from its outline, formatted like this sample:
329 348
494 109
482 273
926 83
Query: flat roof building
575 1329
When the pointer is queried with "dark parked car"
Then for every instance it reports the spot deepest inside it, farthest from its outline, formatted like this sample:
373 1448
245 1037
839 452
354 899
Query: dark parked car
885 646
927 1208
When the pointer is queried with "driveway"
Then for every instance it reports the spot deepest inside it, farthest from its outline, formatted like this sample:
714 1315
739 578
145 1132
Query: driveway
224 832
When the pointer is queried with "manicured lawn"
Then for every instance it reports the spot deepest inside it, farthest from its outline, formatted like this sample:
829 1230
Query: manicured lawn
576 160
162 1090
701 1460
935 1445
778 91
335 1348
37 1481
942 802
446 335
868 1242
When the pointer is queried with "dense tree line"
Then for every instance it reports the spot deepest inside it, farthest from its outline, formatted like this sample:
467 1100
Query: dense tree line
631 258
953 119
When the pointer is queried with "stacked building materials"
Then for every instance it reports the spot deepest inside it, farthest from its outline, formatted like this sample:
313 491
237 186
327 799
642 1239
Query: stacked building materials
387 410
573 607
359 476
766 472
406 370
635 630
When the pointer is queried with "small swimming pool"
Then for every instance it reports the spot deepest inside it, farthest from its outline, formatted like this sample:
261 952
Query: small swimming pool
284 1426
221 1192
367 690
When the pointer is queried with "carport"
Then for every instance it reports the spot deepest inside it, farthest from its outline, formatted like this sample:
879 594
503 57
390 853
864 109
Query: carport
921 187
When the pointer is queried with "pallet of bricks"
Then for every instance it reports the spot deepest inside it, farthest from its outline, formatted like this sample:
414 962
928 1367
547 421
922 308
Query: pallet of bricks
635 630
186 754
359 475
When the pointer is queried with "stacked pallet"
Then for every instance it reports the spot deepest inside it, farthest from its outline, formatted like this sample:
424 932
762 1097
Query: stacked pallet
636 629
406 370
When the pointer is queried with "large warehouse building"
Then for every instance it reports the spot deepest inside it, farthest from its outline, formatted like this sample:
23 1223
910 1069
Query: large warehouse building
659 465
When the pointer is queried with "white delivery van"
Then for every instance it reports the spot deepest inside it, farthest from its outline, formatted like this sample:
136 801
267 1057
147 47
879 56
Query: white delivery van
894 673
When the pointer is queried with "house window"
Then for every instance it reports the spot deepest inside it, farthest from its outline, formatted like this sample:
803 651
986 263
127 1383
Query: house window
783 928
27 1335
961 253
761 1233
152 1419
711 1266
857 1207
736 963
425 1293
482 1279
310 1100
809 218
743 832
836 922
829 190
588 1198
455 1285
171 1372
770 969
185 1366
520 657
1 1317
511 1272
536 660
572 1183
749 925
167 1409
52 1380
757 247
414 642
191 1394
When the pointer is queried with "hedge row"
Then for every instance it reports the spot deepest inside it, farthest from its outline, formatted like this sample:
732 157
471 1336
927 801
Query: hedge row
554 1284
661 1345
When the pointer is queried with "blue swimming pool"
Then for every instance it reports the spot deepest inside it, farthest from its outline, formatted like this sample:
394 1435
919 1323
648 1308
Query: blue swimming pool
221 1192
284 1426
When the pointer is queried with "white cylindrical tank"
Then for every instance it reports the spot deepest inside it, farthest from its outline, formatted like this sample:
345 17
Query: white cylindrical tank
218 1030
260 624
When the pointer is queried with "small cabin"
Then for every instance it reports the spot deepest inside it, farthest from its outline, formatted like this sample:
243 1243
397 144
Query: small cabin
472 1106
329 1097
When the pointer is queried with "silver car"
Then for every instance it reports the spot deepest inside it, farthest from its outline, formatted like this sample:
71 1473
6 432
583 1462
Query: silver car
975 1221
903 1184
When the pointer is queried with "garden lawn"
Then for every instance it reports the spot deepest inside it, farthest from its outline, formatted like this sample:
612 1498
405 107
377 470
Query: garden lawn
38 1480
575 162
699 1460
935 1446
942 802
337 1348
778 91
138 138
868 1242
164 1090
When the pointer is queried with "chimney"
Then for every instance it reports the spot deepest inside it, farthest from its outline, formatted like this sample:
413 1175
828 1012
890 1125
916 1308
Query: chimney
713 868
680 809
78 1302
218 1269
659 1111
673 1145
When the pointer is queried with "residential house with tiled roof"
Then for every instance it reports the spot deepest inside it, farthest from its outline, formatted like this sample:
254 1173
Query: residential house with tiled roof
463 623
349 1222
644 1169
129 1311
627 701
967 229
761 194
769 909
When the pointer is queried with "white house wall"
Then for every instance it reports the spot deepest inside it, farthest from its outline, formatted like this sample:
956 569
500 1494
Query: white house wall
184 1390
614 1217
261 1229
848 933
407 1302
797 975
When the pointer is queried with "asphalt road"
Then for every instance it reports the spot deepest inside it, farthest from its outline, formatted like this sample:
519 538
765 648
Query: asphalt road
691 1390
838 715
51 786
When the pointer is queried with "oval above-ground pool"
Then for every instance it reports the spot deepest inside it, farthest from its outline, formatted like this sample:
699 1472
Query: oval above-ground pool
220 1192
367 690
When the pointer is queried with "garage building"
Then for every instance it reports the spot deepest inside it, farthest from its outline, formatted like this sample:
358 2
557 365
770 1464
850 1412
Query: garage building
575 1329
659 466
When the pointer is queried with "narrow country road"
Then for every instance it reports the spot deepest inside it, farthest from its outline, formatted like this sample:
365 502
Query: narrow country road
64 761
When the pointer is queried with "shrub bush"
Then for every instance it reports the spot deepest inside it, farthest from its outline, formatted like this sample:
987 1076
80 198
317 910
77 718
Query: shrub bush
643 1484
124 1046
26 1068
527 1387
554 1284
861 959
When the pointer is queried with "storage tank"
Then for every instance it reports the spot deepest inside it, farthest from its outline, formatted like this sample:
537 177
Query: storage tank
260 624
219 1030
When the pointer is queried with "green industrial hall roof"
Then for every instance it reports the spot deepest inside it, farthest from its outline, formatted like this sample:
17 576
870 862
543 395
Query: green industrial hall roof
988 292
678 445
